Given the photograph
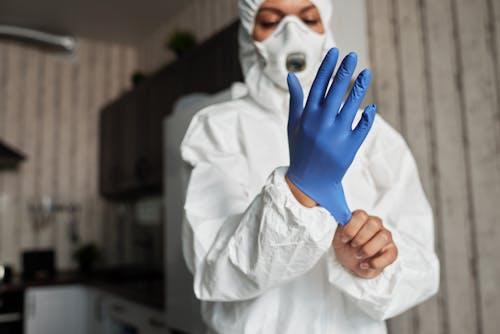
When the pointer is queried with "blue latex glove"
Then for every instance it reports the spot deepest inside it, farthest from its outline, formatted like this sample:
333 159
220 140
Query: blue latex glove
320 137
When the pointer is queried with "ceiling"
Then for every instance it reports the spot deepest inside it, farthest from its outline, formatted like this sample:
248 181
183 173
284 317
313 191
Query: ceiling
121 21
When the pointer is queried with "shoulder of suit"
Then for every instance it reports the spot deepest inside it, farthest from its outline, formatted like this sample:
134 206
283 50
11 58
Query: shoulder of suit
226 111
215 127
383 139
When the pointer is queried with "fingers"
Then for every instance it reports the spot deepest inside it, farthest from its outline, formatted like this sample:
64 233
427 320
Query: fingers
387 257
339 86
365 123
322 79
368 231
296 100
371 247
359 217
375 244
355 98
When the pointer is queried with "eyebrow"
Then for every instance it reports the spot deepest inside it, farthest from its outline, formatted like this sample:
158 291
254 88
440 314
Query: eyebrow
271 9
281 13
305 9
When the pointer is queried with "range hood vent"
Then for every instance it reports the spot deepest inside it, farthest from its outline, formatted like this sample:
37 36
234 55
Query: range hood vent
9 157
40 38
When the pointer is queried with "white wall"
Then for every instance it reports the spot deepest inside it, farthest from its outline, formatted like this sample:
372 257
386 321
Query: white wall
349 28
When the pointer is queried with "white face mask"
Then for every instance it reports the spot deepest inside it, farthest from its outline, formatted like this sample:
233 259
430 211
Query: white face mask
292 47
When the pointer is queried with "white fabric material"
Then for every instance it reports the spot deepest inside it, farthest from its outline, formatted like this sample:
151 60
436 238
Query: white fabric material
292 37
262 263
261 87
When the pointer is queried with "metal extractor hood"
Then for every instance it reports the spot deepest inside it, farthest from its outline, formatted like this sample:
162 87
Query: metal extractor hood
41 38
9 157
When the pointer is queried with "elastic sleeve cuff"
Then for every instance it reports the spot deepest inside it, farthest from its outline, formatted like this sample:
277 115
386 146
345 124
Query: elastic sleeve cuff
318 221
278 181
372 295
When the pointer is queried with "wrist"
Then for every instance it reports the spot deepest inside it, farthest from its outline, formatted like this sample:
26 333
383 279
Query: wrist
299 195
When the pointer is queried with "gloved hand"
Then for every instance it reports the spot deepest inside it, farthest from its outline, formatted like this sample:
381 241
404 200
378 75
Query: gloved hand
320 137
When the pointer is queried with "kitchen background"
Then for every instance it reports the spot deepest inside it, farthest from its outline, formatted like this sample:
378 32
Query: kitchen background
436 79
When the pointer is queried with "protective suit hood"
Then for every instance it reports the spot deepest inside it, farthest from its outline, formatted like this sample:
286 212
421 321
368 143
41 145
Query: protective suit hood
261 88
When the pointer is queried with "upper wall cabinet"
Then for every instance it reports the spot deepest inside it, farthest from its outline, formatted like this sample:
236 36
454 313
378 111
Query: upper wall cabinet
131 126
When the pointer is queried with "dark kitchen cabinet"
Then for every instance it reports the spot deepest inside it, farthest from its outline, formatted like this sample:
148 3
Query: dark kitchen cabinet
11 311
110 129
131 126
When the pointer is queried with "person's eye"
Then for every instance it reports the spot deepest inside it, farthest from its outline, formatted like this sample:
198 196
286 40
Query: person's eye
310 22
269 24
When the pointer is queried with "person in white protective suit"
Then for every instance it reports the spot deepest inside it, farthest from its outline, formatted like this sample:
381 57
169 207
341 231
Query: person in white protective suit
271 248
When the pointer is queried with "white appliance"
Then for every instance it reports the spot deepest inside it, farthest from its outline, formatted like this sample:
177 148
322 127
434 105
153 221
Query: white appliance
56 310
182 307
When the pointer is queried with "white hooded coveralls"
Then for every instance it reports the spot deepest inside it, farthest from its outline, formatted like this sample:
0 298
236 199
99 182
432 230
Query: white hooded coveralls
262 262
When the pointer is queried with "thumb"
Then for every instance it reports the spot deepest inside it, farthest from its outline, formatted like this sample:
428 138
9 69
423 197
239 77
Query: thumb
296 100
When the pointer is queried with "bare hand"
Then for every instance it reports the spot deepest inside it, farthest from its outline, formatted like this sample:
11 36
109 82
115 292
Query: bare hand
364 245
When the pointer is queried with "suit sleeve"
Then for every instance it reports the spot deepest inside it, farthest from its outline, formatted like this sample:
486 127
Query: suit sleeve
405 211
238 244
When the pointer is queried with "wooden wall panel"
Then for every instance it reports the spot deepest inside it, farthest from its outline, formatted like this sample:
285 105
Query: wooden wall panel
416 121
494 30
97 88
64 185
48 124
31 130
12 121
49 107
493 8
479 111
3 84
447 72
86 56
453 214
386 88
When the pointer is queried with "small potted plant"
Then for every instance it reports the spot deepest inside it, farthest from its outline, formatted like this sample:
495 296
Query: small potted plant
137 77
86 255
181 41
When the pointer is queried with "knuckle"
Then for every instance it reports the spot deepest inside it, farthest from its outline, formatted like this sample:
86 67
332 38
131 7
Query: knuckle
378 265
366 251
356 241
385 260
361 274
390 260
361 215
343 72
395 252
310 132
367 274
349 233
386 235
358 90
374 223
